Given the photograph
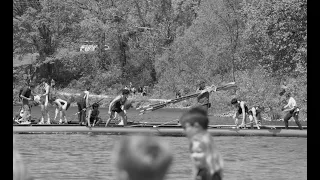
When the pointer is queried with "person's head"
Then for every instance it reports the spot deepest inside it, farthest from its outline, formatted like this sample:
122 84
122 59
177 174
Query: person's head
53 82
234 102
43 81
288 95
142 158
202 84
194 121
95 106
125 92
72 99
204 153
31 86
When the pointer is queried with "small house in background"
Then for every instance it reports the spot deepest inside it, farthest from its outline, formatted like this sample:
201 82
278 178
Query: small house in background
89 46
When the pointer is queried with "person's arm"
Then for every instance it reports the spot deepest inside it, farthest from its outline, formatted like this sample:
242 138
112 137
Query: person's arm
87 98
22 95
88 118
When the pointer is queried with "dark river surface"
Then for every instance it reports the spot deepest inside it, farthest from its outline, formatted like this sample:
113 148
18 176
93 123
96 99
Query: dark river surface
85 156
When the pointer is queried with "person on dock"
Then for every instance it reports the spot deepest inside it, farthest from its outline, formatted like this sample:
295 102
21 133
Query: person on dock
45 97
62 106
203 98
208 162
293 111
241 108
142 158
82 103
93 118
255 115
26 96
117 106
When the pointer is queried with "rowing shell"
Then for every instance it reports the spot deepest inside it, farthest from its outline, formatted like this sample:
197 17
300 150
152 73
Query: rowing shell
161 131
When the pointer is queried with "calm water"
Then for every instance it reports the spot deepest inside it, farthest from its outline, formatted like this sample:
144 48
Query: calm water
81 156
84 156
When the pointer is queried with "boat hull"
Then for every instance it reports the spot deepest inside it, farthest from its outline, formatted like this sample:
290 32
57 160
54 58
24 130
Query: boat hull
161 131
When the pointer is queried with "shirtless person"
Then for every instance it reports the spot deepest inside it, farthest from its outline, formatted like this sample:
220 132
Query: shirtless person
45 97
93 116
241 108
117 106
293 111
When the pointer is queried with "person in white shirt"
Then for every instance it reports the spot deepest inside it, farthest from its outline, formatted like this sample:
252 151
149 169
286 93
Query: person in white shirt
293 111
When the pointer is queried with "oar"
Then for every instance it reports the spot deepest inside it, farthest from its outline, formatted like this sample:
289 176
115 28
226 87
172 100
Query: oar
173 101
165 123
88 106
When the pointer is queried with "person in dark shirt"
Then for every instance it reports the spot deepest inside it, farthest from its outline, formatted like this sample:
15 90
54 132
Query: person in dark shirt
241 108
83 102
117 106
93 118
26 96
203 98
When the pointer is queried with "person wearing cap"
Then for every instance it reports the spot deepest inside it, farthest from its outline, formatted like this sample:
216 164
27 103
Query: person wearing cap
62 106
93 118
203 98
117 106
82 103
293 111
141 158
26 96
45 97
241 108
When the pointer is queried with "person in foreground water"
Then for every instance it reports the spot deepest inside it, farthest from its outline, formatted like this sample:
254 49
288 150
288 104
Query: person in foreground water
208 163
142 158
194 121
206 158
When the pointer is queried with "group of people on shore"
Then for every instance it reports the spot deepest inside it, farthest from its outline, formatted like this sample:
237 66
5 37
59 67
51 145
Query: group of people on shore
146 157
89 114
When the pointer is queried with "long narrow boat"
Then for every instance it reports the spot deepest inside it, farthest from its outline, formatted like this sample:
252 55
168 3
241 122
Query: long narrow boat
161 129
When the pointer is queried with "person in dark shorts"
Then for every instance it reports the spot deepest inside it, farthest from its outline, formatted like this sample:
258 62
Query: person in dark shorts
93 118
26 96
241 108
255 115
293 111
117 106
82 102
203 98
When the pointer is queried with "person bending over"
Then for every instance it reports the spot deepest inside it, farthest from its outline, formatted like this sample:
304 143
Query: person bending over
117 106
93 116
293 111
241 108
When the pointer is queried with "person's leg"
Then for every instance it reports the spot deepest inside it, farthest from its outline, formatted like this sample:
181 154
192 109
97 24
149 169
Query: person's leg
296 119
286 119
123 118
110 117
235 117
42 114
251 120
25 112
47 111
79 111
254 115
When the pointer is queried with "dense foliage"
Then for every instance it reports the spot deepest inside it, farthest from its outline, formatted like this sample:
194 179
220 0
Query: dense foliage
169 45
